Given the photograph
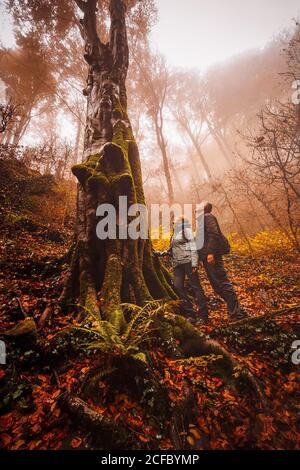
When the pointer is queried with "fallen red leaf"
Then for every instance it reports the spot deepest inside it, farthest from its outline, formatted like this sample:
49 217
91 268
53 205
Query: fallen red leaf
76 442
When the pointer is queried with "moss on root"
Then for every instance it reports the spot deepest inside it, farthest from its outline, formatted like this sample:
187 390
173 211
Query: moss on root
111 289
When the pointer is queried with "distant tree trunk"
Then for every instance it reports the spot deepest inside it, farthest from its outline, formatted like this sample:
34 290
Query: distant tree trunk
196 177
260 223
163 148
197 147
202 159
21 125
237 219
227 154
176 177
266 205
104 273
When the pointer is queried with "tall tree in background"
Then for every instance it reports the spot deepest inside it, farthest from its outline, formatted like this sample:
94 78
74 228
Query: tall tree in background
153 81
185 103
54 76
29 78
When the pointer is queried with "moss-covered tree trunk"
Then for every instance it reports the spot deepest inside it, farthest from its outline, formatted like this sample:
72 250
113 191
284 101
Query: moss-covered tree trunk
106 272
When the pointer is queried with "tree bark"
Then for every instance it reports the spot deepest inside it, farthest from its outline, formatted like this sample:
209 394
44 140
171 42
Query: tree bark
102 270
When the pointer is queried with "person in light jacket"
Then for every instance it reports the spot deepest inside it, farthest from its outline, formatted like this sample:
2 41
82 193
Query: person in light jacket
184 256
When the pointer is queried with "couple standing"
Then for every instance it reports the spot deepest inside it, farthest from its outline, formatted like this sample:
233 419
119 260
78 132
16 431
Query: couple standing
185 260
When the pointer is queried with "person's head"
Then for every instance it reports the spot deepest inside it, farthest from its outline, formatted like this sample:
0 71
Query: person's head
180 222
207 208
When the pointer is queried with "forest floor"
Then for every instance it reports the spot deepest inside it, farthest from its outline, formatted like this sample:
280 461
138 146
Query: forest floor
31 417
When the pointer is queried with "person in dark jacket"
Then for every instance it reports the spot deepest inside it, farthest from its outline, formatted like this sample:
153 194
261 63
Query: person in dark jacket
211 256
183 252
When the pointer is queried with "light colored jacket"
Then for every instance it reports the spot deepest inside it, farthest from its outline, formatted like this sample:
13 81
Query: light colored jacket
182 249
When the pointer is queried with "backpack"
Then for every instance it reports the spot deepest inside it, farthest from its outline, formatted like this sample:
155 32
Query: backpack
224 245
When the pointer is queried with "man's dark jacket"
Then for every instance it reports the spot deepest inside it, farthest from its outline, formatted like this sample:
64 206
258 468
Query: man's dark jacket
212 236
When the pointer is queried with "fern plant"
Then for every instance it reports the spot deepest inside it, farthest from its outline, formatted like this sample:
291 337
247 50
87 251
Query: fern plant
106 338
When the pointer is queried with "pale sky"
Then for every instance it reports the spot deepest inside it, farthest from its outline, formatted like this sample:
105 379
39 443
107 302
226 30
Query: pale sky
198 33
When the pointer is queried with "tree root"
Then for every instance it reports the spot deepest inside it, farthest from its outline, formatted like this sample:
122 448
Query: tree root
138 380
193 344
144 386
110 434
46 315
180 416
255 320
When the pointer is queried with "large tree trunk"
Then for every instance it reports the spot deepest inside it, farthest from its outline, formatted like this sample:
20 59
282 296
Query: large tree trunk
104 273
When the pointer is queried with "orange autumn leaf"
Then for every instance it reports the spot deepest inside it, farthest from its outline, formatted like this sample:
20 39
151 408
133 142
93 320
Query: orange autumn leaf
76 442
6 439
143 438
43 378
34 444
55 394
57 412
36 428
195 433
190 440
240 431
18 444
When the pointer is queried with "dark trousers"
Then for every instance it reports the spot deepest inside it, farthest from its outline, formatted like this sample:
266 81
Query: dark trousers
220 283
180 273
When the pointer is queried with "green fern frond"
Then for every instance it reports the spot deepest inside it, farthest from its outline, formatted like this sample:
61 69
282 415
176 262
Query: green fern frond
140 357
201 361
127 307
89 312
107 338
105 372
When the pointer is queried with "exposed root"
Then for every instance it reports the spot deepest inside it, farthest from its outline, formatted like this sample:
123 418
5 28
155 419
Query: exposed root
193 344
137 379
180 417
255 320
113 436
111 288
46 315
